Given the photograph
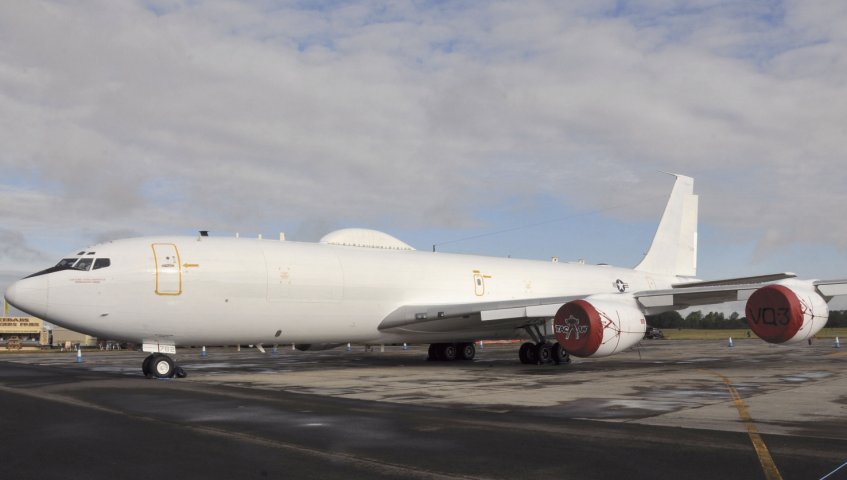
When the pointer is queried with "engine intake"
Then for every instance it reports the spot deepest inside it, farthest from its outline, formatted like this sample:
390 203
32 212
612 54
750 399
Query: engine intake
783 314
599 325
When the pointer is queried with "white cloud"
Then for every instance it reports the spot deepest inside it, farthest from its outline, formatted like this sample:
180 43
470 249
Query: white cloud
154 116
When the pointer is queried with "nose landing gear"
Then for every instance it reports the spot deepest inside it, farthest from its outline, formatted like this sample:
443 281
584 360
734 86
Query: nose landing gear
159 365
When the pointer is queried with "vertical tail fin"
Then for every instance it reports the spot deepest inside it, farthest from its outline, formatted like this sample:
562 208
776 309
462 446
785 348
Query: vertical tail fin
674 248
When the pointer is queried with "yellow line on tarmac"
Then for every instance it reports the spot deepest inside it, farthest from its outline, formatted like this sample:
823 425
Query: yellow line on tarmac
768 465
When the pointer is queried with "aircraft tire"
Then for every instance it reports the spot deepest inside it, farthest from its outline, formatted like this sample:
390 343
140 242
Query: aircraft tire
467 351
432 353
560 355
145 365
449 352
543 353
161 366
527 353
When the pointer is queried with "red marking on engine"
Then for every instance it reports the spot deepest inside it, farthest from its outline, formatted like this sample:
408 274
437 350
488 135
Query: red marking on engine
774 313
578 328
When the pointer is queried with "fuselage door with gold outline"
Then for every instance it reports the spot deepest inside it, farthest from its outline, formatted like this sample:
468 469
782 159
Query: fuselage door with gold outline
168 270
478 283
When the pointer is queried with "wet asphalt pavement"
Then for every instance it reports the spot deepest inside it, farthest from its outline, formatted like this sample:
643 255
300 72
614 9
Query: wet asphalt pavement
658 413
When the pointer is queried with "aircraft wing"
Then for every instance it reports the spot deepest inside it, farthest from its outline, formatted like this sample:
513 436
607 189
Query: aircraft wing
447 317
831 288
521 312
729 290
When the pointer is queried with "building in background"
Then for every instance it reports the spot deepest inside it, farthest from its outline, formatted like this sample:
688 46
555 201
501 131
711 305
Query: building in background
30 333
68 339
18 333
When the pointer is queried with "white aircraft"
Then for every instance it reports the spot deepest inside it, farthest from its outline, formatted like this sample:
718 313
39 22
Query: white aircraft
367 287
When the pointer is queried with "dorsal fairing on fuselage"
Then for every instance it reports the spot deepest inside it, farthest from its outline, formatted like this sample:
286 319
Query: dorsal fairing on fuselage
365 238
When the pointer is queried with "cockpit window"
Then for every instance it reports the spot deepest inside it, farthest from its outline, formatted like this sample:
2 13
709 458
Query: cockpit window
101 263
83 264
66 263
74 263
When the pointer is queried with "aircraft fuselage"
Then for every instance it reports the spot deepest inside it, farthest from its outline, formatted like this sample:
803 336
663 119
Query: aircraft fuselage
213 291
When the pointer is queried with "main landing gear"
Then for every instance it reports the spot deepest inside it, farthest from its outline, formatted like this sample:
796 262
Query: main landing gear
451 351
159 365
540 351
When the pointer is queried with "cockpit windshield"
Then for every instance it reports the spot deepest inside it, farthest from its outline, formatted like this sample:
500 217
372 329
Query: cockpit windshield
83 264
75 263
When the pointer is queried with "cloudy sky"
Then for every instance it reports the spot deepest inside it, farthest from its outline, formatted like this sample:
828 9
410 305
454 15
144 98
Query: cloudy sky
434 121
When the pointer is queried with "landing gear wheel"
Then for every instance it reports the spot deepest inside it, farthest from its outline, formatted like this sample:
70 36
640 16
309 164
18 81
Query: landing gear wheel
528 353
560 355
432 353
544 353
448 352
161 366
467 351
145 365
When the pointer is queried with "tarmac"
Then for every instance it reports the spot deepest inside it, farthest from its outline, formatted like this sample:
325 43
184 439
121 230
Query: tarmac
667 409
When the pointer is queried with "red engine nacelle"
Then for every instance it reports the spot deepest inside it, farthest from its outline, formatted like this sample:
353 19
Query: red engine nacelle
782 314
599 325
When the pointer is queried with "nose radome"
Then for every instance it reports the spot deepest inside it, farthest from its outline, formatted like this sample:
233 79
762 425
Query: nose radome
11 293
29 295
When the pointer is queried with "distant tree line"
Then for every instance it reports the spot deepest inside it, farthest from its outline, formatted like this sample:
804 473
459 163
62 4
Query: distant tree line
717 320
837 318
